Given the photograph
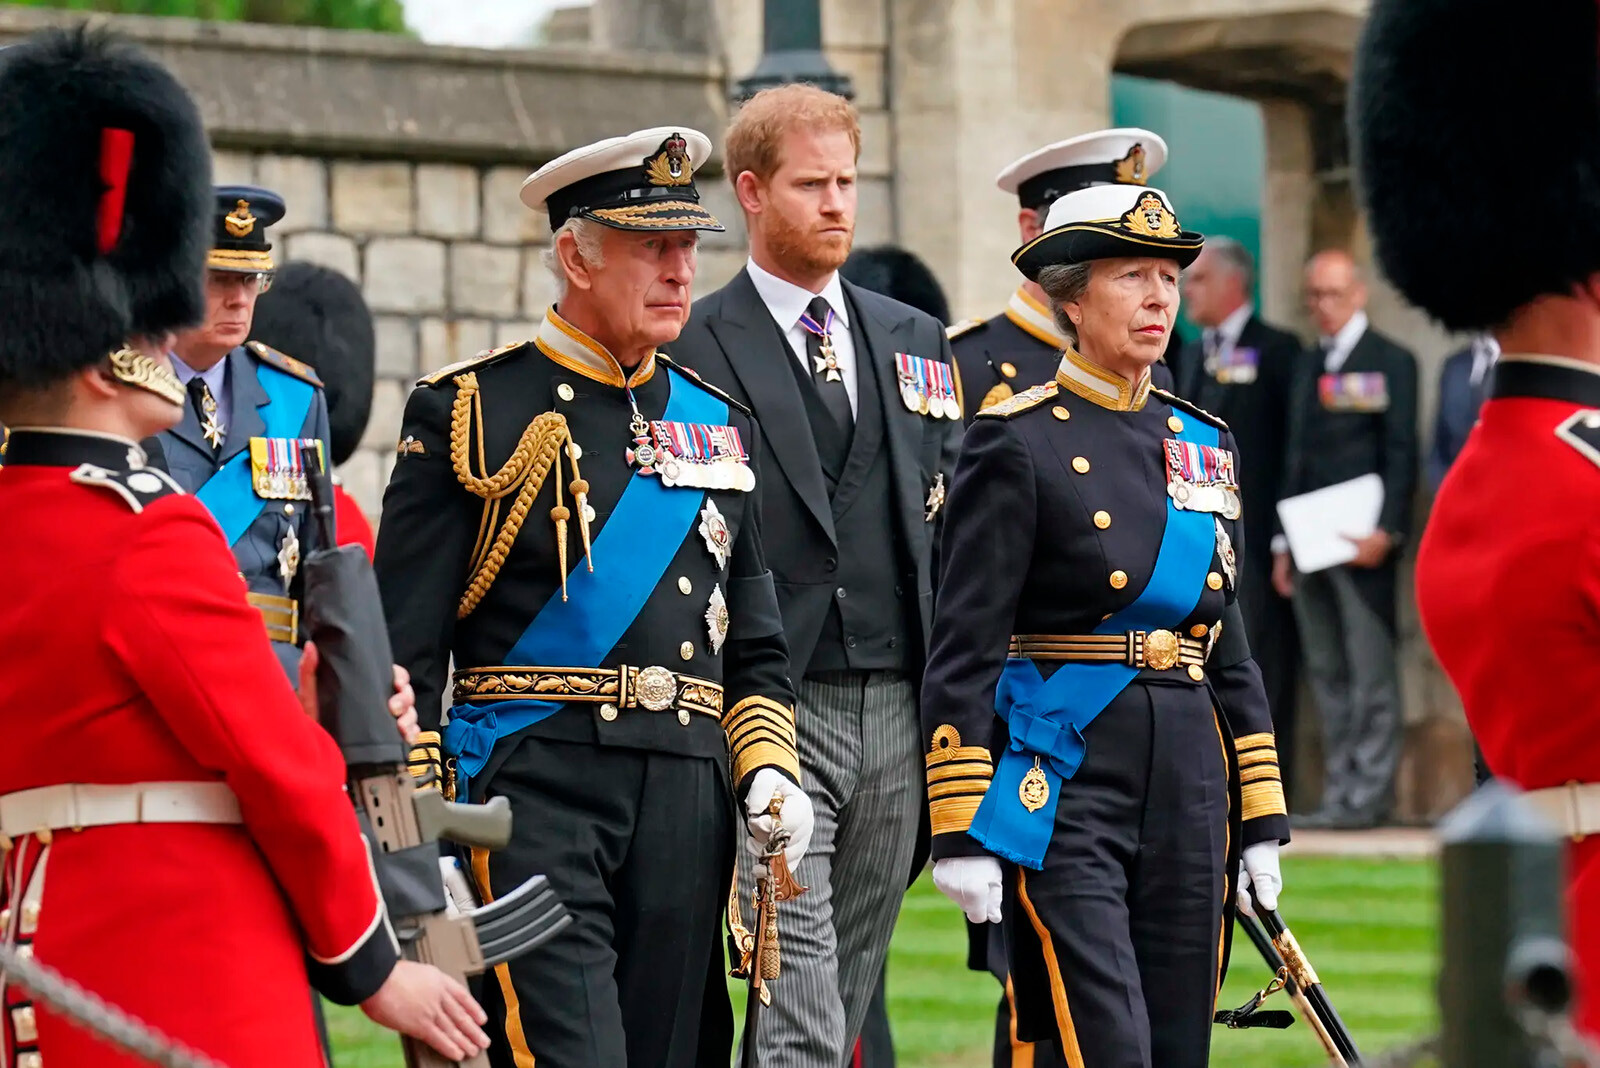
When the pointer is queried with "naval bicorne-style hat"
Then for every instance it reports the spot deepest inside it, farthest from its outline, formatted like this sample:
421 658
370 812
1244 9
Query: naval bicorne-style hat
1106 221
1468 235
1124 156
643 181
240 243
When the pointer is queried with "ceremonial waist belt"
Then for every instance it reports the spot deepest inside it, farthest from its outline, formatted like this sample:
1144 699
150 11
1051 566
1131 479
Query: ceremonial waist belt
74 806
654 689
1573 808
1158 650
280 614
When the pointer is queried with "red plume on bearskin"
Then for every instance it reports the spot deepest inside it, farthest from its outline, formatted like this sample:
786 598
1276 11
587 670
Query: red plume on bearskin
105 203
1476 128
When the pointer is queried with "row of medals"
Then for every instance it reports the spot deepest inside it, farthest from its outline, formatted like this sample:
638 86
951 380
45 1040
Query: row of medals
915 400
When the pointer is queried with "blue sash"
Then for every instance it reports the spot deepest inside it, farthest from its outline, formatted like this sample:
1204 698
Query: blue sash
633 550
1047 718
229 495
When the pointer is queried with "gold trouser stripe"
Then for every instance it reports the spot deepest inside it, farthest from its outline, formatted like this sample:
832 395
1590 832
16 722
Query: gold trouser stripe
1021 1052
521 1055
1058 988
1227 846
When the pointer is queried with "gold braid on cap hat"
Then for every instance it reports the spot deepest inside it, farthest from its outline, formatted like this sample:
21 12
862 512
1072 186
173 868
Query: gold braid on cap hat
525 472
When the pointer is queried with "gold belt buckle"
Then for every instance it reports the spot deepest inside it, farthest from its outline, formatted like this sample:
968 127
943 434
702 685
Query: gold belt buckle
1161 649
656 688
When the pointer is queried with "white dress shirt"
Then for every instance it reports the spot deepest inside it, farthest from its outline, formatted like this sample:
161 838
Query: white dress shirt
787 303
1485 351
1218 341
1339 346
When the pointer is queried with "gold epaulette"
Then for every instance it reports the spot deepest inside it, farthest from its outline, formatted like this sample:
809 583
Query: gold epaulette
694 376
965 326
1022 402
1260 782
433 378
284 362
958 777
1190 407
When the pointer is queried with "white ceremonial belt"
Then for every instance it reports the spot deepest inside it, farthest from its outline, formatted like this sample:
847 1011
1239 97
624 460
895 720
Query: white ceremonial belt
74 806
1573 808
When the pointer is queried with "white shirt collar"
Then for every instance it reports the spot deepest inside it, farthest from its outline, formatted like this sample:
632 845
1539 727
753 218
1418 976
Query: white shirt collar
787 301
1230 328
215 376
1348 335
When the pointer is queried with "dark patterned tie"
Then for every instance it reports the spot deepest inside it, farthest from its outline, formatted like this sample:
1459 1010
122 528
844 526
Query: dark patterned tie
824 365
205 412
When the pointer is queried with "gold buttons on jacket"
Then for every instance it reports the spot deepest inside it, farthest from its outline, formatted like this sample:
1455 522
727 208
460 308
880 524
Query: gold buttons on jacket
25 1024
1214 580
608 712
1198 630
685 587
1008 369
686 650
683 716
1080 464
1174 424
1197 673
288 509
564 391
1060 413
1102 519
1119 579
31 1059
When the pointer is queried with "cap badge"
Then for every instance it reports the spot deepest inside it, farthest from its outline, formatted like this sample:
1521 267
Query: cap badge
670 166
1130 168
240 223
1151 218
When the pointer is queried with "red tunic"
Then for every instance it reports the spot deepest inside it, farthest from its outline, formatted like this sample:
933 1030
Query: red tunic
1508 584
131 656
350 522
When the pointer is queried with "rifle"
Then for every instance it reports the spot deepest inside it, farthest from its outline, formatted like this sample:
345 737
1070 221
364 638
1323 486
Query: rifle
1294 975
404 817
757 951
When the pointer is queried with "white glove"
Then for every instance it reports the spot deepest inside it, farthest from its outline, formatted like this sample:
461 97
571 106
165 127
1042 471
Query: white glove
797 817
1259 875
973 883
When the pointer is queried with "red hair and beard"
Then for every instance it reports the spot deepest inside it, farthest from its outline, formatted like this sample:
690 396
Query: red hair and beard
813 249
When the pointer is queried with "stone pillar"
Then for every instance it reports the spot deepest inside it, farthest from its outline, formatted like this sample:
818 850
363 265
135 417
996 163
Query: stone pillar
684 27
1286 211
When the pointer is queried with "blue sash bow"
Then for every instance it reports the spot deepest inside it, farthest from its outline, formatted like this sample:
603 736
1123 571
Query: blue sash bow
633 550
1047 718
230 495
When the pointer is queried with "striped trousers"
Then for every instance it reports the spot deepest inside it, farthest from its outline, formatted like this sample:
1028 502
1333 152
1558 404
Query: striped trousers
861 764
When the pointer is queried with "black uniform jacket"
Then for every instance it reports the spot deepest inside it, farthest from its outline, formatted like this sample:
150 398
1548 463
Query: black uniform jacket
1067 501
445 537
732 340
1257 412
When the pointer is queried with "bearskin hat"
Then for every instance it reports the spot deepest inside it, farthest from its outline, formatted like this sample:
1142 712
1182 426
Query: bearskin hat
318 315
105 203
1476 128
899 275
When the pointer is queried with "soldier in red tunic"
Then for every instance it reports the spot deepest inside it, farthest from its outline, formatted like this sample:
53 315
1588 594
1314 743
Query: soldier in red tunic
174 828
1487 231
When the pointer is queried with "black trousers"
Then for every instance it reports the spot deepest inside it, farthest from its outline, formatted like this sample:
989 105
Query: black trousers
639 845
1116 945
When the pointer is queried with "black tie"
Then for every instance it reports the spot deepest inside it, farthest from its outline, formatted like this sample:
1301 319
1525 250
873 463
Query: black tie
824 367
205 413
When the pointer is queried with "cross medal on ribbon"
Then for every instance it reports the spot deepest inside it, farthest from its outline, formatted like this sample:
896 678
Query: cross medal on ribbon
827 360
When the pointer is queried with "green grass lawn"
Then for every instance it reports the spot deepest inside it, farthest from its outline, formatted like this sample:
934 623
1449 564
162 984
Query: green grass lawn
1368 926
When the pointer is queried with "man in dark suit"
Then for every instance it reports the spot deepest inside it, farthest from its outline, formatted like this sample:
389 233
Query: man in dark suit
857 406
1353 412
1463 383
1241 370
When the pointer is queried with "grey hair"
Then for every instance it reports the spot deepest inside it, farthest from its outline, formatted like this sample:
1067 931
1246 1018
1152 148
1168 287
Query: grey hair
1065 284
1236 257
587 234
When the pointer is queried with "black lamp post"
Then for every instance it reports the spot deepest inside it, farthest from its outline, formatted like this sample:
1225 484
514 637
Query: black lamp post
791 51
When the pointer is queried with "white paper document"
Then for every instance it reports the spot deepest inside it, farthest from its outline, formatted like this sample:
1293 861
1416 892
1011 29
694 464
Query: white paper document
1317 523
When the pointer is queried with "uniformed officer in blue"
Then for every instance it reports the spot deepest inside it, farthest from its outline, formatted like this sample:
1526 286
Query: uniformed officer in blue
1007 353
1093 717
571 519
250 407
